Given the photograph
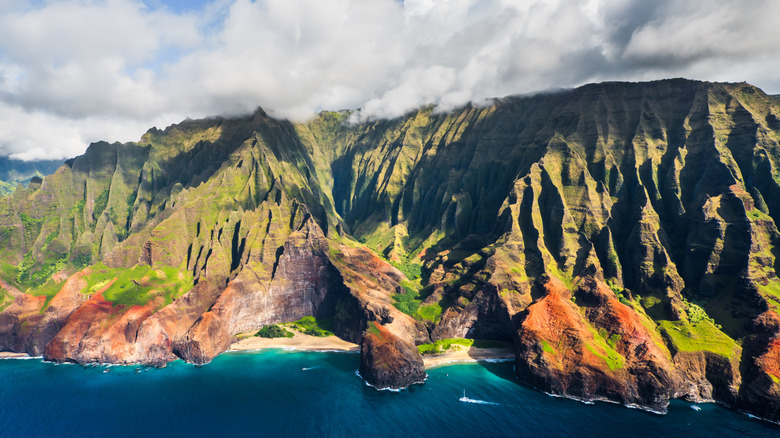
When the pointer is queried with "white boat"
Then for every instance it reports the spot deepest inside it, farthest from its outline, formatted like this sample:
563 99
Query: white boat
695 408
464 398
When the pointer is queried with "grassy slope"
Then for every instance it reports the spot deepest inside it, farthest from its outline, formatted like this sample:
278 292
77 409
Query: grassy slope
138 285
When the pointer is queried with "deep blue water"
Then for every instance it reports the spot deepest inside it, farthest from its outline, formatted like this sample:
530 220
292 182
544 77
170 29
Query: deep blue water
284 393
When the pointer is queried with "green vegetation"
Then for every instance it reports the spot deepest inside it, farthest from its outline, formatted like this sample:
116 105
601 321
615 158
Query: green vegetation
373 329
771 290
10 274
613 359
32 227
613 340
696 314
5 299
5 236
491 343
79 208
602 348
6 188
309 325
547 348
444 345
410 303
756 215
650 301
48 290
27 277
564 276
411 269
274 331
703 336
431 312
82 261
619 292
101 202
140 284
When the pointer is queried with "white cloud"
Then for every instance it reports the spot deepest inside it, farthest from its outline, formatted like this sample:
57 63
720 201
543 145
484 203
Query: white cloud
74 71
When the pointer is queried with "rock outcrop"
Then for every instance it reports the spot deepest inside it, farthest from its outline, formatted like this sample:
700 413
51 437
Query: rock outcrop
387 361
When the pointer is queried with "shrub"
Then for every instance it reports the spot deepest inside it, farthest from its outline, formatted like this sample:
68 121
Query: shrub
274 331
443 345
308 325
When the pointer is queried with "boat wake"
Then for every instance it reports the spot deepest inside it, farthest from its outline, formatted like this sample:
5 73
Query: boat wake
479 402
465 399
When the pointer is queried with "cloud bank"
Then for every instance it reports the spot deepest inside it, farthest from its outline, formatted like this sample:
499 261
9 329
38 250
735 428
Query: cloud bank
76 71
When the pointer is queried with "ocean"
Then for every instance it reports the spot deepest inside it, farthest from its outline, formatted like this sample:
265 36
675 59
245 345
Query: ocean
299 393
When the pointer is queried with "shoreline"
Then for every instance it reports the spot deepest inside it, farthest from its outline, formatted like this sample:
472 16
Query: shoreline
472 354
300 341
12 355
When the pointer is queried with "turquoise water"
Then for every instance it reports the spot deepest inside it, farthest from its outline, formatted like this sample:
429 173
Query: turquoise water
283 393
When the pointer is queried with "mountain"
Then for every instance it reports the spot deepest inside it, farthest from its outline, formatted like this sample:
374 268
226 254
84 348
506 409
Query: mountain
621 235
17 172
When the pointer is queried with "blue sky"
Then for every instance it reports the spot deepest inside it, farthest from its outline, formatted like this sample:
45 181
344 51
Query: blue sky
77 71
177 6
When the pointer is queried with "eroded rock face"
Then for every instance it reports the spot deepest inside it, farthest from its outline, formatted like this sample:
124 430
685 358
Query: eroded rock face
708 377
300 286
387 361
27 326
760 389
559 352
99 332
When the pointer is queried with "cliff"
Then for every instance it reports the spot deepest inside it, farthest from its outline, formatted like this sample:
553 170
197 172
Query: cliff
621 235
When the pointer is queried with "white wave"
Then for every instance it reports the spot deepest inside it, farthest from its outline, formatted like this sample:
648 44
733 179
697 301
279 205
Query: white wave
357 373
497 359
22 358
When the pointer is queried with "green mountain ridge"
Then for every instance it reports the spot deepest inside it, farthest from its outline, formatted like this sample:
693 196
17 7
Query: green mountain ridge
621 235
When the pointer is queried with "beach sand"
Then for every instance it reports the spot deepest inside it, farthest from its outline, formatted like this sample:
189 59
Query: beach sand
9 355
332 343
471 355
299 342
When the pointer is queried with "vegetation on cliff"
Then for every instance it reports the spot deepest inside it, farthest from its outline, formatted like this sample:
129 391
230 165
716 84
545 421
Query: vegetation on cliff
274 331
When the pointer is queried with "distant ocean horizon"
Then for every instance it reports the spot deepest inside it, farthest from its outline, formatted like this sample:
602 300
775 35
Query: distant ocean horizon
301 393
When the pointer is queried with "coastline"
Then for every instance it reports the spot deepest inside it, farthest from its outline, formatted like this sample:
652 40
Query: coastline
472 354
300 341
12 355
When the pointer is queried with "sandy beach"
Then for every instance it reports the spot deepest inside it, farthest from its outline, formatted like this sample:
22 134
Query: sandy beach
9 355
332 343
299 341
471 355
